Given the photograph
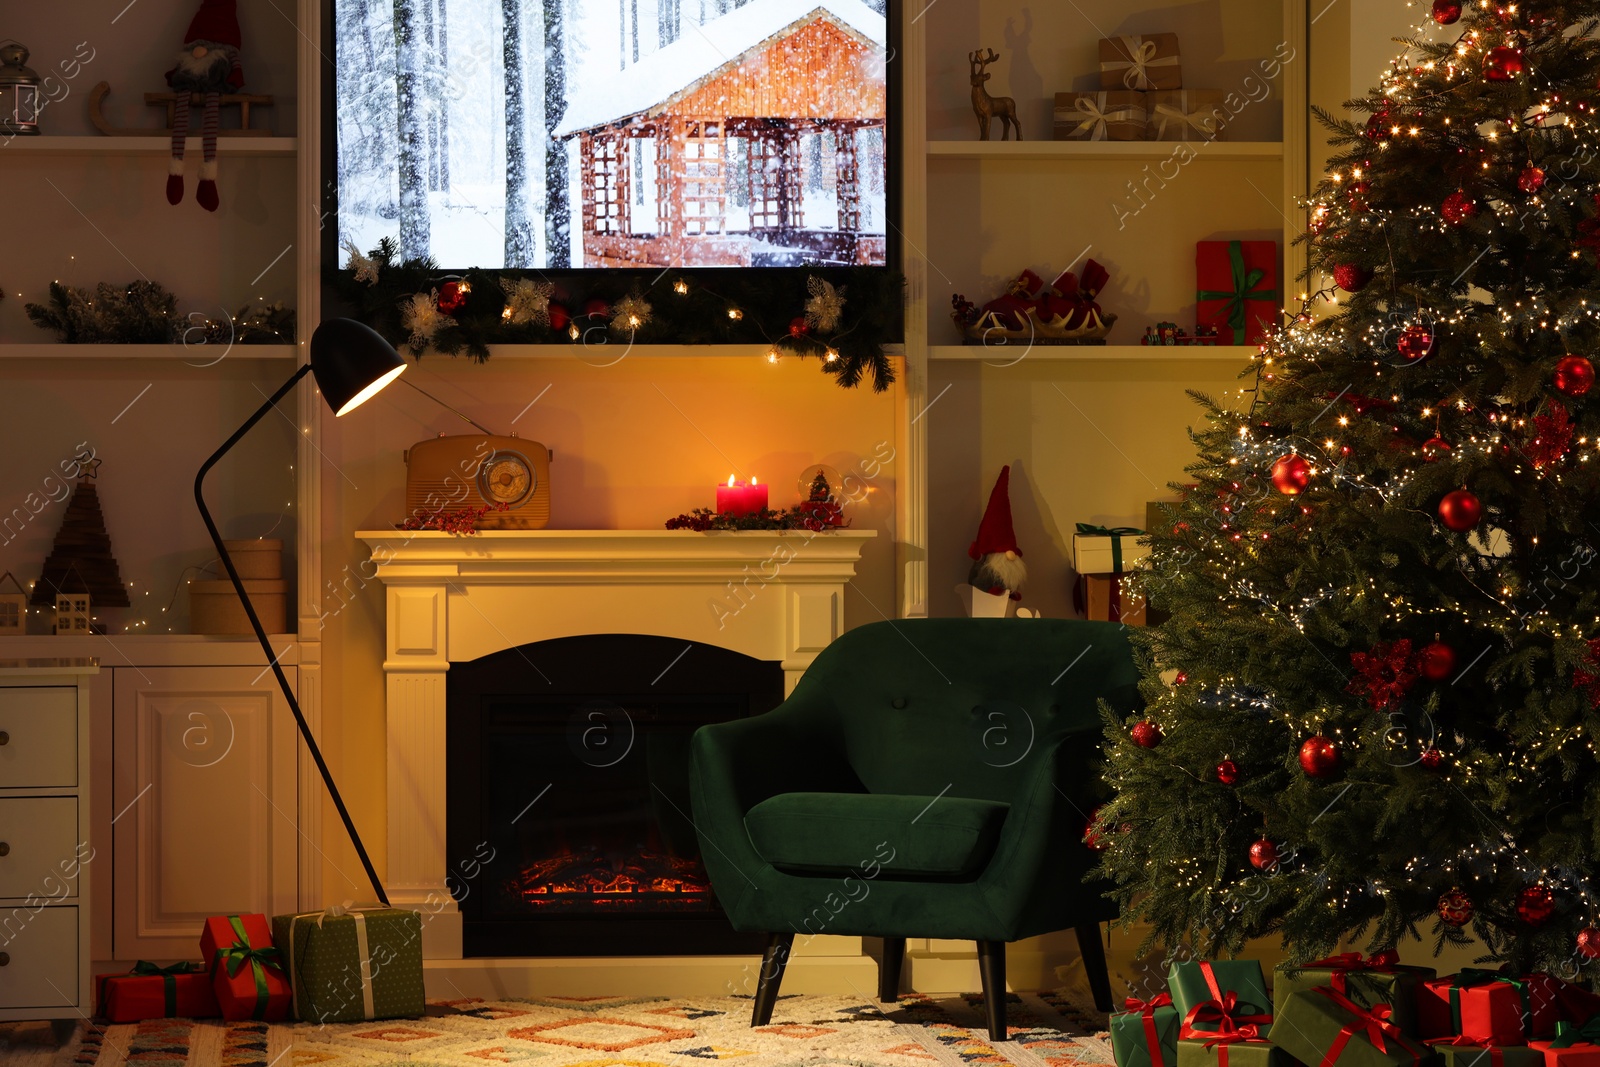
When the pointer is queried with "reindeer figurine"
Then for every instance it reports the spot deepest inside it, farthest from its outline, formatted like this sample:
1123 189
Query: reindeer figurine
990 107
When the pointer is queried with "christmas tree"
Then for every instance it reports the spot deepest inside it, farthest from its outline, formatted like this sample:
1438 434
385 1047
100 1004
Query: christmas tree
1372 714
80 560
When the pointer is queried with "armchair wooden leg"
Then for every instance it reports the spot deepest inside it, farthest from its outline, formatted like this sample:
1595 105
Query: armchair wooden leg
894 955
1094 965
992 971
772 965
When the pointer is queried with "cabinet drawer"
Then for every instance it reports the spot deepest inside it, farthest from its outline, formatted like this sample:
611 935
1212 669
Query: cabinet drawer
40 728
41 957
40 838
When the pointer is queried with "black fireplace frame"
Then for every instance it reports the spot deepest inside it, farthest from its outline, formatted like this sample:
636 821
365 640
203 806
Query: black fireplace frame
649 677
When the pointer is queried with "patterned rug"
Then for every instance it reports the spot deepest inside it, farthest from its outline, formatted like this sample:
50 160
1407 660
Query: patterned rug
806 1031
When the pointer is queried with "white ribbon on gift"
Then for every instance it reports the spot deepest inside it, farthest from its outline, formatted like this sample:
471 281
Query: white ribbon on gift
336 911
1092 107
1203 122
1141 57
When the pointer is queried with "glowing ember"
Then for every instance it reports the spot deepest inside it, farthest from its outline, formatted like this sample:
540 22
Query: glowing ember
593 880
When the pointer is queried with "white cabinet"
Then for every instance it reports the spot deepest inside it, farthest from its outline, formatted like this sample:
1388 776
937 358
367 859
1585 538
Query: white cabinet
45 849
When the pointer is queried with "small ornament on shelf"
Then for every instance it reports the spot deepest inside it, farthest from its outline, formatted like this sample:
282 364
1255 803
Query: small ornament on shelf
20 97
13 608
460 521
73 617
1064 312
986 107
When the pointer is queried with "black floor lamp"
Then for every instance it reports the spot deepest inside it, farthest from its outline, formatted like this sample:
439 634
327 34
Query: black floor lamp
351 363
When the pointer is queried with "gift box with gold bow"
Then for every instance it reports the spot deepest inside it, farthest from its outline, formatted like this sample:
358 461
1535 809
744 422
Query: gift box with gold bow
1364 981
1324 1028
1146 1034
1142 63
1116 115
1185 115
353 964
150 991
246 969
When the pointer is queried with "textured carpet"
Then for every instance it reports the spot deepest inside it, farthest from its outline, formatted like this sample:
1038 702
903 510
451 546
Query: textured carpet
806 1031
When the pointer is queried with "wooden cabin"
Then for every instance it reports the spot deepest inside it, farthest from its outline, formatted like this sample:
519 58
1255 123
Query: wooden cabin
754 160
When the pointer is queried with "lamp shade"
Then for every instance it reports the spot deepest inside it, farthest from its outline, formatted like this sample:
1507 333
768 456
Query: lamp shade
352 363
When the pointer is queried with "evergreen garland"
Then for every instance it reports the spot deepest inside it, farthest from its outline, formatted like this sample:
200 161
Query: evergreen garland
145 313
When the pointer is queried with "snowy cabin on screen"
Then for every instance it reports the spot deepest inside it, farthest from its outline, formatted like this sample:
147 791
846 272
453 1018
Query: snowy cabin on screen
756 141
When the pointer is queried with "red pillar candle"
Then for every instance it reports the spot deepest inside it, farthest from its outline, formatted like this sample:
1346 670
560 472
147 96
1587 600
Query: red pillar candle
738 500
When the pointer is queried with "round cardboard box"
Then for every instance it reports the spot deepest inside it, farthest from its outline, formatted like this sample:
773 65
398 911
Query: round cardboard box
260 558
214 607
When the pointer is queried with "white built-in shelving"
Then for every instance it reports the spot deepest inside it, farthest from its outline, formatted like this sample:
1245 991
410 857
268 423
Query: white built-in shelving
112 146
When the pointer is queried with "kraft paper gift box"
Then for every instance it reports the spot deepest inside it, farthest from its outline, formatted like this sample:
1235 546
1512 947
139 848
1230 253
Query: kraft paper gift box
1362 981
1130 608
1141 63
1237 289
1116 115
1146 1035
1258 1052
1501 1009
246 968
353 965
1185 115
149 991
1322 1028
1197 982
1464 1052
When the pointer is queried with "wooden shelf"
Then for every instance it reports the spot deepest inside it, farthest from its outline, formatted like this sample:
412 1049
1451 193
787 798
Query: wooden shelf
199 355
154 650
1139 151
117 146
1015 355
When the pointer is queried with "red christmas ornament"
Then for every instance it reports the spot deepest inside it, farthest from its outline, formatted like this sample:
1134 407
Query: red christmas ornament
798 327
1091 836
1502 64
1377 125
1357 195
1436 661
1552 435
1574 375
559 316
1319 757
453 297
1386 674
1351 278
1433 448
1432 758
1460 511
596 309
1458 207
1531 180
1455 908
1416 342
1589 942
1146 734
1589 680
1291 474
1535 905
1228 772
1446 12
1263 854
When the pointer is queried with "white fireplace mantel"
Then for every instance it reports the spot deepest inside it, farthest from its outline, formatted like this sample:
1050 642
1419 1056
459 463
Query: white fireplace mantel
451 599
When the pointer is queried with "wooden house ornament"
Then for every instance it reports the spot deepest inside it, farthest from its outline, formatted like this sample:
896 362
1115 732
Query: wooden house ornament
72 614
13 607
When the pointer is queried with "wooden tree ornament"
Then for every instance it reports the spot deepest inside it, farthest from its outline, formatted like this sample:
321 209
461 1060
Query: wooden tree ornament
80 560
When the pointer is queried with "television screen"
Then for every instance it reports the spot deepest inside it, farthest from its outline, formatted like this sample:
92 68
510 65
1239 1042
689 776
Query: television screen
571 134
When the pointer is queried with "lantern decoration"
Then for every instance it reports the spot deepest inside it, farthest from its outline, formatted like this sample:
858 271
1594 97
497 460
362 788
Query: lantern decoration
72 614
13 608
1291 474
1574 375
19 91
1460 511
1502 64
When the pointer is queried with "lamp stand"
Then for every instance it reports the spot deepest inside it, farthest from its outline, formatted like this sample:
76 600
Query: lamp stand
261 633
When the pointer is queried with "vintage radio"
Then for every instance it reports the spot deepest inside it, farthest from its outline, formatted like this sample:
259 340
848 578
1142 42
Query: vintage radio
470 470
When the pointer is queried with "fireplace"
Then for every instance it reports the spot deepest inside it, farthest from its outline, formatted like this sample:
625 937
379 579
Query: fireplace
570 827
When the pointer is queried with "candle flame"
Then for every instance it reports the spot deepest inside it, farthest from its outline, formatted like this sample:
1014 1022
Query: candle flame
752 479
731 482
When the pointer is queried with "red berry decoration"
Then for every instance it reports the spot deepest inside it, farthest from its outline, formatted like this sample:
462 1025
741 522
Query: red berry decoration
1432 758
453 297
1291 474
1351 278
1458 207
1574 375
1446 12
1531 180
1455 908
1387 957
1433 448
1436 661
1460 511
1319 757
1263 854
1091 836
1502 64
1416 342
1228 772
1589 942
798 327
1146 734
1535 905
1357 195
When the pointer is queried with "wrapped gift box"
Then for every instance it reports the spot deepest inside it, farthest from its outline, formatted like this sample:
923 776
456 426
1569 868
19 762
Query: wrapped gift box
1573 1045
1141 63
1319 1026
1237 289
1115 115
247 973
181 991
353 965
1185 115
1468 1053
1489 1006
1111 552
1129 607
1197 982
1257 1053
1146 1035
1366 984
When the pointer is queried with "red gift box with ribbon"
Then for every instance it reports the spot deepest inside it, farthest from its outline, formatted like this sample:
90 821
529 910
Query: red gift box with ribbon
149 991
1573 1045
1488 1006
1237 289
246 970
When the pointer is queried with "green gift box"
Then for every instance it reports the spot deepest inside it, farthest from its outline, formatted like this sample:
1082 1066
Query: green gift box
1472 1054
1195 982
1132 1032
352 965
1257 1053
1323 1028
1362 981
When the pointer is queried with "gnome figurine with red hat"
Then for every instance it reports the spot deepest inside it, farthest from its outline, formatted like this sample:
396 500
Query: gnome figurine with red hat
208 65
997 569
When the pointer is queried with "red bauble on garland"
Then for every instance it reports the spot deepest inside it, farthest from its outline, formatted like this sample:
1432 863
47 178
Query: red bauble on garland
559 316
453 297
1460 511
799 328
1291 474
1416 342
1433 448
1091 836
1455 908
1436 661
1502 64
1228 772
1531 180
1378 125
1446 12
1351 278
1574 375
1263 854
1357 196
1535 905
1589 942
1458 207
1319 757
596 309
1145 734
1431 758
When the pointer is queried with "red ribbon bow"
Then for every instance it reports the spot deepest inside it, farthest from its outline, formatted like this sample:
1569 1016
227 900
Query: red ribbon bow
1375 1024
1232 1027
1344 964
1147 1009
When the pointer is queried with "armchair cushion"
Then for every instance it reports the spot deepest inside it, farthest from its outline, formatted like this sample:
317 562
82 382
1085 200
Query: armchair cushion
929 837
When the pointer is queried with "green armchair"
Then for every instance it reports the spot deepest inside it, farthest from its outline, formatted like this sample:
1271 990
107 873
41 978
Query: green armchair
927 778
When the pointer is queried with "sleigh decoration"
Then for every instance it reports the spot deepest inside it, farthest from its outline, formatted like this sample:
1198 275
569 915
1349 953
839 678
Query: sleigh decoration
1061 313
